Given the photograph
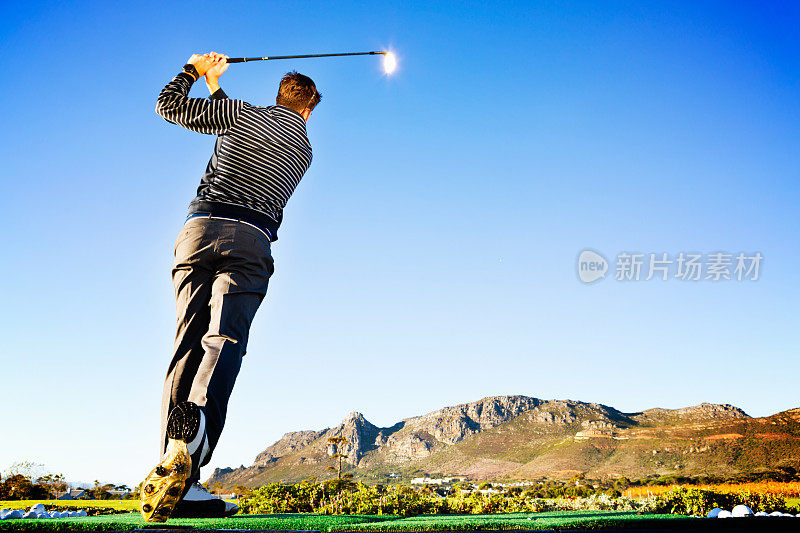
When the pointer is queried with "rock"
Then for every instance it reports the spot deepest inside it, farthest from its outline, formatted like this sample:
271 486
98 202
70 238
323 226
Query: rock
410 446
713 513
452 424
742 510
288 443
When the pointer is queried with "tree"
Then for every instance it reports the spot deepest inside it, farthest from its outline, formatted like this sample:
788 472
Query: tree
426 489
622 483
241 490
28 469
29 480
20 487
576 479
333 451
53 484
101 492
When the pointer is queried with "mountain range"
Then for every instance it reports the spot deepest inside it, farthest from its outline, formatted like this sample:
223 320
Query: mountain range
524 438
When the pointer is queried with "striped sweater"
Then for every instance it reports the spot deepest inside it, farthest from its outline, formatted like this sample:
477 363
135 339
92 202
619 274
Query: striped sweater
260 155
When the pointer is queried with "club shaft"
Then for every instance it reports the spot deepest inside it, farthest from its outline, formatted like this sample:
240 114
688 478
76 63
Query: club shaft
246 59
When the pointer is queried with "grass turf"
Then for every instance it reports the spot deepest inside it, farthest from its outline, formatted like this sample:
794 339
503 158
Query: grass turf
120 505
517 521
529 521
131 521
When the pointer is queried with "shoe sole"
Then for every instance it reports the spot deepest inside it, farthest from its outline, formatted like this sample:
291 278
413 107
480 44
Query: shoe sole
203 509
164 487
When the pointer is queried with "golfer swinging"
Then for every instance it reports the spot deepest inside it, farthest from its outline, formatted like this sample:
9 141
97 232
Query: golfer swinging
222 267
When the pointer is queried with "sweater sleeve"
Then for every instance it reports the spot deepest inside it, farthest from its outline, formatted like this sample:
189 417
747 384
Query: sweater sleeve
202 115
219 94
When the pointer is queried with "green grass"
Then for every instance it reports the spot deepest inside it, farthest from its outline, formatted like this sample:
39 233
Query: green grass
530 521
517 521
120 505
130 521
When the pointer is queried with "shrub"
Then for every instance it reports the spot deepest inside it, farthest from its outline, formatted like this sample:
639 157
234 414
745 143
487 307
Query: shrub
348 497
358 498
688 501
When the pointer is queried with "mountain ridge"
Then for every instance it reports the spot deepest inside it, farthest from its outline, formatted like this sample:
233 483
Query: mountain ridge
521 437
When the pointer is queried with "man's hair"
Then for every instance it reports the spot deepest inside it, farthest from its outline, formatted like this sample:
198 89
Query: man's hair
297 92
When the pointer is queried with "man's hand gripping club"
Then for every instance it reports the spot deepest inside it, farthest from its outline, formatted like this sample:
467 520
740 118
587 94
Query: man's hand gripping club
210 65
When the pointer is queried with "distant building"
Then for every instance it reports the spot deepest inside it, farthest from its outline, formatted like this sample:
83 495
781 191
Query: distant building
72 494
434 481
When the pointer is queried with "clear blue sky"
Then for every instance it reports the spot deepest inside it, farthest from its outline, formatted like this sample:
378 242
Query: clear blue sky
428 256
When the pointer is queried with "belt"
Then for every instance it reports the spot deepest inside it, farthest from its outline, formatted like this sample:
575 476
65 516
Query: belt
209 215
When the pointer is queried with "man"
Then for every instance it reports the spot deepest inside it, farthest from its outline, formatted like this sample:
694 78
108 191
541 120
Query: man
222 266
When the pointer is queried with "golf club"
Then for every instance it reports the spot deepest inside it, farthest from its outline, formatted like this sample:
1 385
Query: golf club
389 60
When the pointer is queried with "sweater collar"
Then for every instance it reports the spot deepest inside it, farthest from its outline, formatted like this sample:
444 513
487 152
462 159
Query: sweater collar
289 113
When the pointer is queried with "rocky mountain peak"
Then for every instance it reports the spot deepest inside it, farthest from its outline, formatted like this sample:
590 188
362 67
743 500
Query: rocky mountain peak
712 410
360 434
452 424
705 411
287 444
356 419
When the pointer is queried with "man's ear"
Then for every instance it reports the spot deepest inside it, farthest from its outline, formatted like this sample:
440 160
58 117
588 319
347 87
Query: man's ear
306 114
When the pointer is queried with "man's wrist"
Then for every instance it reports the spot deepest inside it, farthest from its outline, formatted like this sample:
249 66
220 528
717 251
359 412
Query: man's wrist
213 85
192 71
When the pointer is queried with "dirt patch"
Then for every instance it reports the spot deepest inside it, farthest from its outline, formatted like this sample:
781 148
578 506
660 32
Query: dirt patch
724 436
